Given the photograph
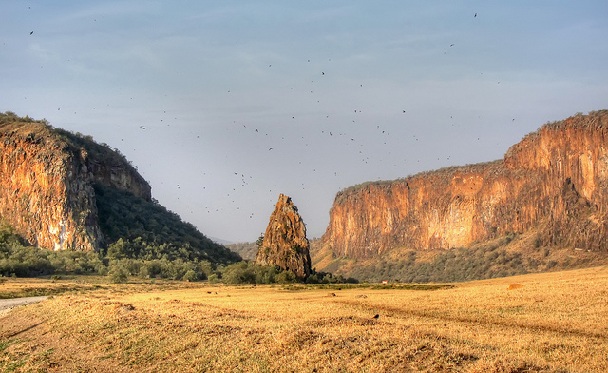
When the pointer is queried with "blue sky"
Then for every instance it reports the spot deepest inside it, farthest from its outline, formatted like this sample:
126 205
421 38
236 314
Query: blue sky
222 105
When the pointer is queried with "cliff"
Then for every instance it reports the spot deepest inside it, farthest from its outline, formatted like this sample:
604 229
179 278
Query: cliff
285 243
46 184
554 182
63 191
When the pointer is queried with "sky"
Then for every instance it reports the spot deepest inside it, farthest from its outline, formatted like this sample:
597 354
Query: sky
222 105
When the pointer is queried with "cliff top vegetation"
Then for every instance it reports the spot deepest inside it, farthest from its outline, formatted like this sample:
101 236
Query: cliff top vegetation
594 119
41 130
445 174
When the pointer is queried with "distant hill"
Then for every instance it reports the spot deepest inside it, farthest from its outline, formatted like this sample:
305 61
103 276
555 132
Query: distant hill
541 207
220 241
63 191
247 250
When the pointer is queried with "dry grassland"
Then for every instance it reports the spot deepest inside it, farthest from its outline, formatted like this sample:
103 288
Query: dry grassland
552 322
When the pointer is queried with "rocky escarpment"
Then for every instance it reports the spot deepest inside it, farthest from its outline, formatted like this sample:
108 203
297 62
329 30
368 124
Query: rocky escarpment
555 181
47 179
285 243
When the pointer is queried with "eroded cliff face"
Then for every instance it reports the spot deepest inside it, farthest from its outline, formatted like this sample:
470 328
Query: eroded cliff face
285 243
554 181
46 184
111 169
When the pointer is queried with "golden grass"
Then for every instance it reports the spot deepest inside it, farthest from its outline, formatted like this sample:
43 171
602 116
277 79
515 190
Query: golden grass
30 287
554 322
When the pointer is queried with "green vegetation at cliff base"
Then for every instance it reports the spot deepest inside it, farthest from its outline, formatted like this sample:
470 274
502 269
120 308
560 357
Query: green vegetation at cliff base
125 259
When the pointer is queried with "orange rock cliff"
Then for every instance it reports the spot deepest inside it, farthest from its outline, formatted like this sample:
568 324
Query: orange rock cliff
554 181
47 179
285 243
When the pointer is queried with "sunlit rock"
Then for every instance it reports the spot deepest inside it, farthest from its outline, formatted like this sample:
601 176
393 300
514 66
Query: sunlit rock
285 243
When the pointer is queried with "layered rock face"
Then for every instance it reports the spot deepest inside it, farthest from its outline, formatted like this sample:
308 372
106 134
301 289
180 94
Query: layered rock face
555 181
46 184
285 243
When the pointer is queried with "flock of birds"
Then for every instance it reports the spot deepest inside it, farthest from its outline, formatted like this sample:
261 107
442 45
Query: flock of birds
353 139
278 145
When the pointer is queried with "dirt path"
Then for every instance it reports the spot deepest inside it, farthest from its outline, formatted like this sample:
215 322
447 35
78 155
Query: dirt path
7 304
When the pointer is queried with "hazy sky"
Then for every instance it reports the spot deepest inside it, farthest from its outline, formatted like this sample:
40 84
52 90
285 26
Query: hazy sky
222 105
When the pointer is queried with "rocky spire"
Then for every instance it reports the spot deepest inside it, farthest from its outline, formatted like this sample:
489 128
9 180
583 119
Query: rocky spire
285 243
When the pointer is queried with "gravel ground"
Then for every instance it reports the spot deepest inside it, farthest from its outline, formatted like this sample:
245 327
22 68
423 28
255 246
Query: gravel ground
7 304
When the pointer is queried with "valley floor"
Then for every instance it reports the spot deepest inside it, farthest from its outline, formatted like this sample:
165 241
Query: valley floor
552 322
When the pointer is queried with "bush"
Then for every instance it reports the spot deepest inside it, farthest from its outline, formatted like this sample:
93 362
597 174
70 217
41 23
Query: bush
76 262
239 273
118 273
266 274
24 261
286 277
190 276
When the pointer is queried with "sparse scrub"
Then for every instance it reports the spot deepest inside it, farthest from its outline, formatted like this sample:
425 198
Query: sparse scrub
466 264
11 117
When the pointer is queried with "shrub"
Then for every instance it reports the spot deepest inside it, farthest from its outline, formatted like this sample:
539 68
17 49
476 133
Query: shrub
266 274
118 273
190 276
24 261
239 273
286 277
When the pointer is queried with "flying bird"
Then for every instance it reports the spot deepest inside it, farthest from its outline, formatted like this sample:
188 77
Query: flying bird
376 316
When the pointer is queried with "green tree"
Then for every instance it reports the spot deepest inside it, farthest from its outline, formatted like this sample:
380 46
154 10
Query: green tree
286 277
259 241
118 273
238 273
190 276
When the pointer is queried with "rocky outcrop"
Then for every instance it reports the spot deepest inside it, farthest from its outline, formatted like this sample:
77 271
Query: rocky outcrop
285 243
47 179
554 181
